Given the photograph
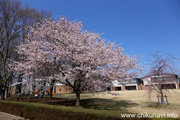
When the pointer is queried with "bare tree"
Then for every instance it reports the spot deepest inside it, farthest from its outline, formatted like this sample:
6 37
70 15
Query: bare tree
13 19
9 36
162 76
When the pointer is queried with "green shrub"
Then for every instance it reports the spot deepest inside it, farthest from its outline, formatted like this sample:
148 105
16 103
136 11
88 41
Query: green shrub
36 111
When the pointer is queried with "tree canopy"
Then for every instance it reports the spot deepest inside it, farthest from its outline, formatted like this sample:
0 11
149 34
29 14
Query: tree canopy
61 51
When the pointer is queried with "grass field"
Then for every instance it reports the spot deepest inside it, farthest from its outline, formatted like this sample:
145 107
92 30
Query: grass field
129 101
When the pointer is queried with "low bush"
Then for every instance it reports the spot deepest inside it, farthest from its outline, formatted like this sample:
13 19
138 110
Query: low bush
37 111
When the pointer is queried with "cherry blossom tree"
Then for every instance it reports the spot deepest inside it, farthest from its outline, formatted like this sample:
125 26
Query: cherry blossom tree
61 51
163 76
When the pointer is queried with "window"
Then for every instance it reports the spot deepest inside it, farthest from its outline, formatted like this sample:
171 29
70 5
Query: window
108 88
69 89
156 86
60 89
66 89
119 83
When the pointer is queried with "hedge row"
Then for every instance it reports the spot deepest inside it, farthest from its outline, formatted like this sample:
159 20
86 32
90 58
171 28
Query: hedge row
36 111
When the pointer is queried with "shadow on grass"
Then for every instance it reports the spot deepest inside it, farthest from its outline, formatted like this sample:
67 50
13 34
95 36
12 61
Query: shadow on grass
100 104
107 104
156 105
91 103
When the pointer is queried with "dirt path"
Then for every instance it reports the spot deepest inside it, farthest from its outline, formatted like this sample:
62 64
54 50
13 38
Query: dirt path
6 116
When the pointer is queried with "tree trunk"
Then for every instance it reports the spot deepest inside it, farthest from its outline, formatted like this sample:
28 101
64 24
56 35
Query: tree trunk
50 94
162 99
77 99
3 94
7 91
19 85
51 89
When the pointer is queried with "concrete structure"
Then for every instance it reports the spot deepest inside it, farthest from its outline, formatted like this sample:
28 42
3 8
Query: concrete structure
168 81
6 116
63 89
57 88
13 90
171 81
128 84
60 88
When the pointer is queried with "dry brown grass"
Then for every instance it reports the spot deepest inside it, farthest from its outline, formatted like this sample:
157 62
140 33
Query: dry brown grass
140 98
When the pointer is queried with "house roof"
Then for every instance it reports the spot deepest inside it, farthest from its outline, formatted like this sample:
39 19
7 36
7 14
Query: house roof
160 74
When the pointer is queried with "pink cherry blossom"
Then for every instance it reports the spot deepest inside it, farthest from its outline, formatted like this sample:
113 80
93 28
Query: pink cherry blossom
62 51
